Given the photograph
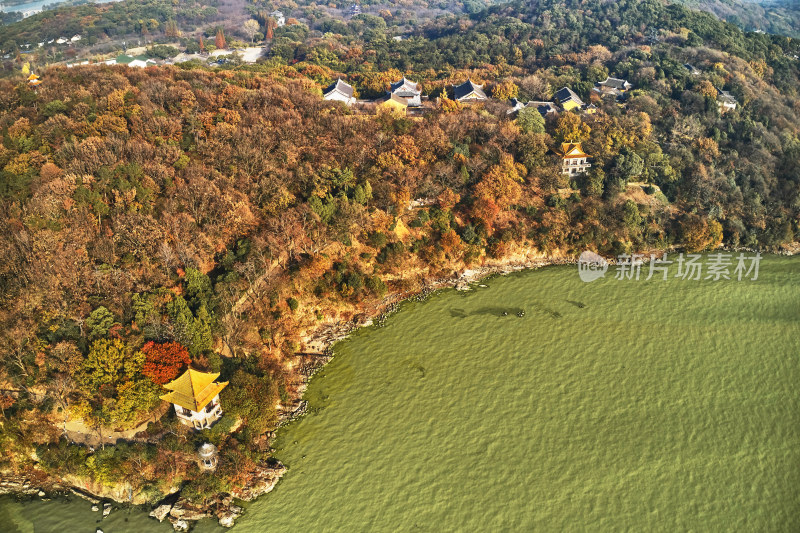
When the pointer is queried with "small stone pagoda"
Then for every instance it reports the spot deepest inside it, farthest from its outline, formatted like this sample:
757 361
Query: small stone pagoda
208 456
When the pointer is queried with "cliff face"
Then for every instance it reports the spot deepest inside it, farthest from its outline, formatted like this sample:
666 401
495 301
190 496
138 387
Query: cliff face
118 492
179 511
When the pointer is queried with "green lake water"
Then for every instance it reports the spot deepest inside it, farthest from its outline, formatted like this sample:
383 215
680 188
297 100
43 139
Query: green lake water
612 405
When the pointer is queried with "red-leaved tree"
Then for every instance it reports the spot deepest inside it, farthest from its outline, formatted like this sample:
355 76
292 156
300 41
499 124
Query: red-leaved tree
163 362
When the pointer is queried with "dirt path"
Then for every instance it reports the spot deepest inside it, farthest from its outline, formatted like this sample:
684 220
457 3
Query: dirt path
244 300
80 433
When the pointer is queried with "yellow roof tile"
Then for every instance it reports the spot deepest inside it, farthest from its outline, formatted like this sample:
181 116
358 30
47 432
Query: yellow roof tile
572 150
193 389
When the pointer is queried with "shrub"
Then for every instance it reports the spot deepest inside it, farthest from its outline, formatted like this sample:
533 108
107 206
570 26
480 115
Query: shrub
377 239
99 322
162 51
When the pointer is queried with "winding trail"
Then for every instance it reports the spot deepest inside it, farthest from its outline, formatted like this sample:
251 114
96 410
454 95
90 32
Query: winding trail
80 433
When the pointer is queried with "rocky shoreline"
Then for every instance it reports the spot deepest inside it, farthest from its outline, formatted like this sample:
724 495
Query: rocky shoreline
320 342
179 511
322 338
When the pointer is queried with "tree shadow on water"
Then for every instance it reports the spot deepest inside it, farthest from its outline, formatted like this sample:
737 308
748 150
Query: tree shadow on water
488 311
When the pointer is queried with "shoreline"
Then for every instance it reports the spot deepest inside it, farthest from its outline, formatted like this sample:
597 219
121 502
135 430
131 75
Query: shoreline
319 341
183 513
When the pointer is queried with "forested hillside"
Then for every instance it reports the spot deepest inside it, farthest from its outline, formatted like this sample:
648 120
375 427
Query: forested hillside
154 216
99 23
772 16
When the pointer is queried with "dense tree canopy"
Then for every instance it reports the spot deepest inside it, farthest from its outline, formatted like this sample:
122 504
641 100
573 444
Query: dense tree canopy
160 217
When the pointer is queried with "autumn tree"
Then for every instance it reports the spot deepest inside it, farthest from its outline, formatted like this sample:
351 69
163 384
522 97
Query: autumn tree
536 88
707 148
449 106
270 28
451 244
498 189
113 389
505 90
164 362
698 233
171 29
219 40
109 362
448 199
707 89
570 128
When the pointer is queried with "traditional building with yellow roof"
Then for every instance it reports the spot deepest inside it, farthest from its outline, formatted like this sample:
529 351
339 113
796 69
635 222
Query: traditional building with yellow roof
195 396
395 104
33 80
573 159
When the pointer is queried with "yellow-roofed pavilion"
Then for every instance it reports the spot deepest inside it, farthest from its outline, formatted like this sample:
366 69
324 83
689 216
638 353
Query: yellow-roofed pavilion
574 159
195 396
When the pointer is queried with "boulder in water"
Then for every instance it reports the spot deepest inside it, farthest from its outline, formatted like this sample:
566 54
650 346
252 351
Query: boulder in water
180 525
161 512
227 515
183 510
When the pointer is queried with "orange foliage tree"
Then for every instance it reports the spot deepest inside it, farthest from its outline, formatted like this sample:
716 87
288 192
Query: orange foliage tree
699 233
163 362
451 244
502 183
498 190
219 42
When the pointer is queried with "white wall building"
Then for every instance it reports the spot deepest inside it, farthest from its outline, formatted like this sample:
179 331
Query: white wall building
195 397
339 91
280 20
